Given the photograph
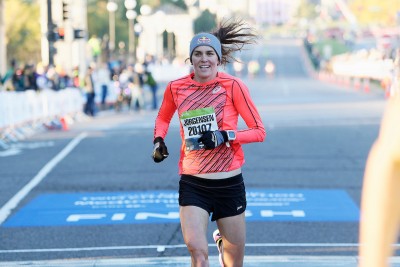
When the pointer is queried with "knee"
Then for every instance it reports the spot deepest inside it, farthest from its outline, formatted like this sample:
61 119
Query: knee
199 253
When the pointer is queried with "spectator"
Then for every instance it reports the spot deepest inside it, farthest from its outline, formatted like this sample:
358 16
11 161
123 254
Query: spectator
103 78
151 82
137 87
52 77
41 78
18 79
89 108
7 78
30 78
76 81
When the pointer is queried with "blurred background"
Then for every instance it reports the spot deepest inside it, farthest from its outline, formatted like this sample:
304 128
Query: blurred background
129 48
82 76
66 36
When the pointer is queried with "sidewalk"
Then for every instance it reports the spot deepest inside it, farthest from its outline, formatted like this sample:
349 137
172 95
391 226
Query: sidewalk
250 261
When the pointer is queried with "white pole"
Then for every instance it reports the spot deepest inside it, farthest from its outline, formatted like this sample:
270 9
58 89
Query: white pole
43 29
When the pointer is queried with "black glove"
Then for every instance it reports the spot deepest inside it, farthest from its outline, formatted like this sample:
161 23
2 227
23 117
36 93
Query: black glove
160 151
212 139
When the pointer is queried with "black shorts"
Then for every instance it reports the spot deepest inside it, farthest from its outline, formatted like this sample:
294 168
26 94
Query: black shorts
221 197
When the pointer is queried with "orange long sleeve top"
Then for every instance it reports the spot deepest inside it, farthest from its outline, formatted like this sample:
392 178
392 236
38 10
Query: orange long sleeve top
228 97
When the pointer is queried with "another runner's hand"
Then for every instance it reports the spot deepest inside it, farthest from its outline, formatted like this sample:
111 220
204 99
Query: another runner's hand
212 139
160 151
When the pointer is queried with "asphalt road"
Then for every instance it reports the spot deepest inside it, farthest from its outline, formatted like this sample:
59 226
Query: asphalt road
93 192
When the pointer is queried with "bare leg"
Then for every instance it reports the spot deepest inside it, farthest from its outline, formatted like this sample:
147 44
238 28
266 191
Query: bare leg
233 232
194 222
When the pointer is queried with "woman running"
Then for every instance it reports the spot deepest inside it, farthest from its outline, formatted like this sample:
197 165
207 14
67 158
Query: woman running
209 103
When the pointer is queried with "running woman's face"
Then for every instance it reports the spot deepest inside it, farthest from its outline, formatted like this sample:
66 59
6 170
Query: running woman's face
205 63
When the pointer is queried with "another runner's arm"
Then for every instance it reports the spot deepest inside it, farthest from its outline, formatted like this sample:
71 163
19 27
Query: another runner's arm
248 111
165 114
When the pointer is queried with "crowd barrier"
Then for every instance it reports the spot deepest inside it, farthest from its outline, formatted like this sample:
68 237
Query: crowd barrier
363 69
376 69
19 108
169 72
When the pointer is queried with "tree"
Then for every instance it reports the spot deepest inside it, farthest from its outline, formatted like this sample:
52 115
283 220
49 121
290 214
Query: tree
97 15
306 10
157 3
23 34
205 22
178 3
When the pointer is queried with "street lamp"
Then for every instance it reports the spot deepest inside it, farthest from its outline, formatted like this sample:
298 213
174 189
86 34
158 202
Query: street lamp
131 15
112 7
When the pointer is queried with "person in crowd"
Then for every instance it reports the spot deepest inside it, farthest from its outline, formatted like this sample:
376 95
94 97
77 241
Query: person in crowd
89 86
136 85
7 80
103 78
125 83
209 103
18 78
52 78
41 77
380 199
30 77
151 82
64 80
76 79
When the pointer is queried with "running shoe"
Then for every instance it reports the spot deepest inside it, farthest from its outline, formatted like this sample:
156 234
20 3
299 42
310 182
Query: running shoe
218 240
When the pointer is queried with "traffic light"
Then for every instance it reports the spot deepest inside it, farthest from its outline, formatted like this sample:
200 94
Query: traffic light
65 10
51 36
79 34
61 33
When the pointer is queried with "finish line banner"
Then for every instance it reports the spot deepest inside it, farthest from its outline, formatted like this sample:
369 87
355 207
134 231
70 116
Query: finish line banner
138 207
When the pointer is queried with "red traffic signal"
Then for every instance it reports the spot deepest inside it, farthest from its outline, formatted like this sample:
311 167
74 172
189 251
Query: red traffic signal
61 33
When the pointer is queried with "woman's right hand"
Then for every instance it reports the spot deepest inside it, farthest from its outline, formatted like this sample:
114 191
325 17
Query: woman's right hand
160 151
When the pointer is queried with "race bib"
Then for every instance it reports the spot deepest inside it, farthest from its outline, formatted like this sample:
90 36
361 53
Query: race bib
194 122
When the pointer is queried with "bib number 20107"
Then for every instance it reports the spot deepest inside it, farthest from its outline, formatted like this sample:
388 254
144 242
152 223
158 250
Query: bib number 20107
198 129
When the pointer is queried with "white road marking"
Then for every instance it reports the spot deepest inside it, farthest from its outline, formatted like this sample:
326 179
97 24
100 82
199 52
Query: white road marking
10 152
250 261
157 247
5 211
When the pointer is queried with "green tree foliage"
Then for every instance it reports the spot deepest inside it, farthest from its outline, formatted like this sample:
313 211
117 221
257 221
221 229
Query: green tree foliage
98 20
205 22
156 3
178 3
23 34
306 10
97 15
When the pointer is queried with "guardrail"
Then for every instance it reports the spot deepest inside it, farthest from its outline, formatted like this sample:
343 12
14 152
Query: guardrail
359 69
18 109
377 69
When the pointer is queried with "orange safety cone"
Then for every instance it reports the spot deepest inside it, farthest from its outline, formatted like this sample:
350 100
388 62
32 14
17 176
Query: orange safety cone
388 90
347 82
64 124
366 85
357 83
